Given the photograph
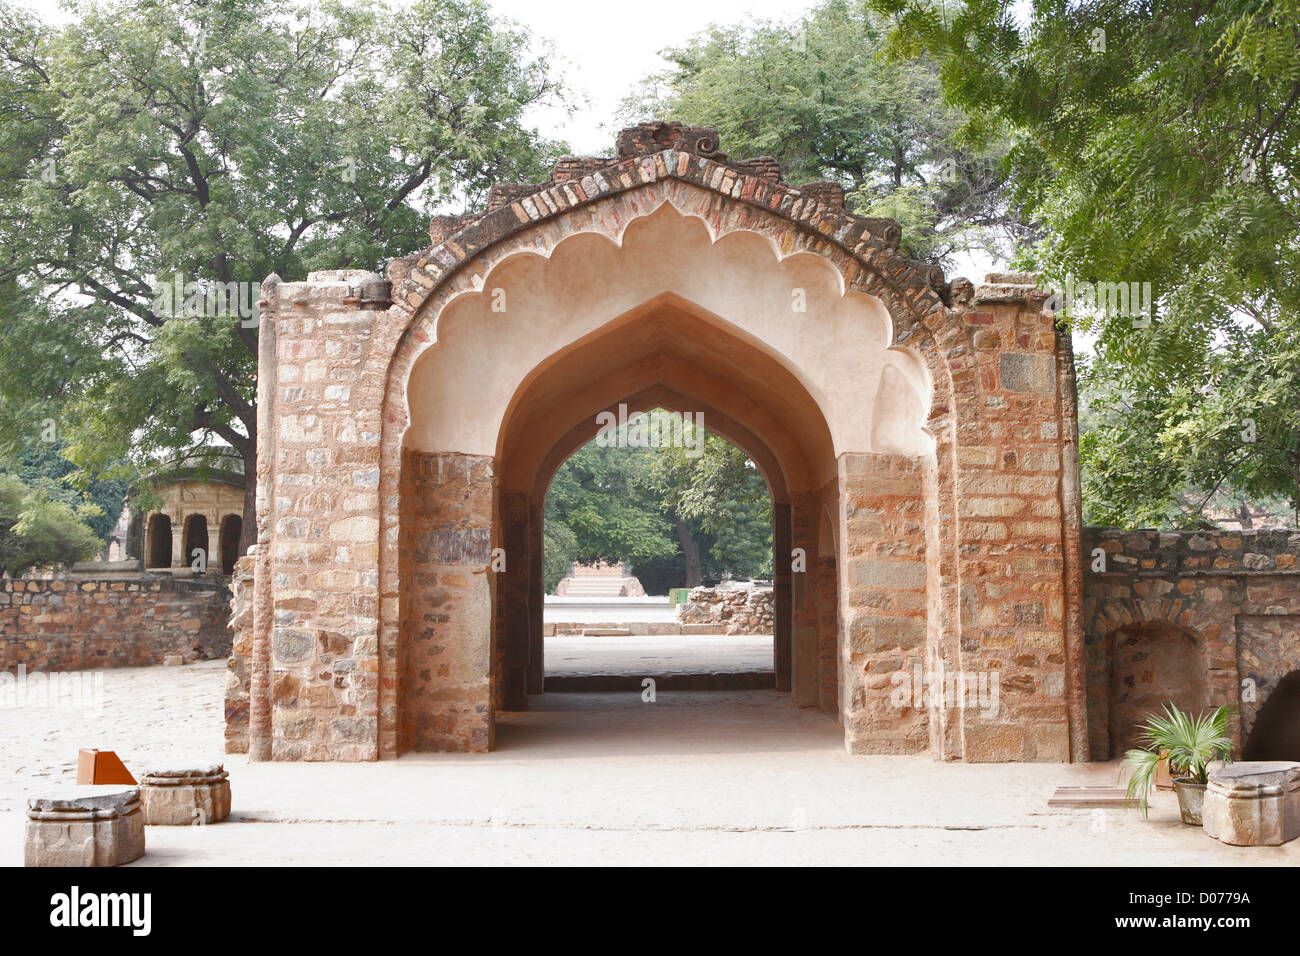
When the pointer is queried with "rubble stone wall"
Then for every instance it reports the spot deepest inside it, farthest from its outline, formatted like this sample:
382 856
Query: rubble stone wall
741 610
1230 599
238 671
72 623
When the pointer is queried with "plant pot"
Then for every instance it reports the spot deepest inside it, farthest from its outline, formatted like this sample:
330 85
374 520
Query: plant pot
1191 798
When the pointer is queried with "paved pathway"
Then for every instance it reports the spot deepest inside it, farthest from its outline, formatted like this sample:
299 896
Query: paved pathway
695 777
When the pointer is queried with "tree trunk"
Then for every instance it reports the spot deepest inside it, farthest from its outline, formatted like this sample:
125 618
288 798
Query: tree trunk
691 550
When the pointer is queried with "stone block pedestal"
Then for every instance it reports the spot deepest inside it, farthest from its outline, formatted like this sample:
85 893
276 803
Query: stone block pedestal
194 796
1256 803
84 826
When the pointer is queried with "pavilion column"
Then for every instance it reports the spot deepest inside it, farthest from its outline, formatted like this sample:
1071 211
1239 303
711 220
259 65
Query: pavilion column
214 545
178 544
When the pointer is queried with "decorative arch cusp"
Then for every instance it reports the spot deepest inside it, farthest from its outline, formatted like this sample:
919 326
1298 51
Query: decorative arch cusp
726 202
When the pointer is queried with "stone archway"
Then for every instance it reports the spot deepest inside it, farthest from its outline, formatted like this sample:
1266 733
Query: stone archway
196 541
393 421
665 354
159 537
714 321
1152 664
231 528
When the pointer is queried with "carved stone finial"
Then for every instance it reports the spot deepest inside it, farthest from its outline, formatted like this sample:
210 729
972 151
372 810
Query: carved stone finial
652 137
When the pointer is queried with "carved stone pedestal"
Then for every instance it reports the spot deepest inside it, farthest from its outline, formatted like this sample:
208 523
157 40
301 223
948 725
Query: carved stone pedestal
1254 803
185 797
84 826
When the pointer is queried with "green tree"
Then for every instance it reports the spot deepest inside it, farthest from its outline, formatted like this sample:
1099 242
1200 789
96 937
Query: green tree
98 499
559 547
218 141
599 494
816 95
1156 143
720 494
676 514
38 532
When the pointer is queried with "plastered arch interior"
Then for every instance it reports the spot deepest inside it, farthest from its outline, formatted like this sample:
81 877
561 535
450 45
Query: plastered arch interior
873 396
665 354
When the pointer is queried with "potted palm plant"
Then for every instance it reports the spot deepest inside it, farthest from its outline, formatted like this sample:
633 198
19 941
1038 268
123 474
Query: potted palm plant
1190 744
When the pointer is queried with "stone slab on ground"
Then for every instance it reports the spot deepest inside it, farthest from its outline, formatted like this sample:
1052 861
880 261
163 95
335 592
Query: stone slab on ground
1088 797
1254 803
587 610
84 826
718 680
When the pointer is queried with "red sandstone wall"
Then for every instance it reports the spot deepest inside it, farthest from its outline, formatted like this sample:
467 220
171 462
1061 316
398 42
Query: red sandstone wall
1235 595
70 623
1014 517
446 602
883 588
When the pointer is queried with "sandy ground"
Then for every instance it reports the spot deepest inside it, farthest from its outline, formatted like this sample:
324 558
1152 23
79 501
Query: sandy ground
146 714
694 777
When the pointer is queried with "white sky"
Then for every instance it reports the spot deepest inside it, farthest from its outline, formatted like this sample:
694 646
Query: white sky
605 50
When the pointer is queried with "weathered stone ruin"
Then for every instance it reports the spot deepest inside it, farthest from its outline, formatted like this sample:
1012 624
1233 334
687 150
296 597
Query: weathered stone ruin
737 610
918 437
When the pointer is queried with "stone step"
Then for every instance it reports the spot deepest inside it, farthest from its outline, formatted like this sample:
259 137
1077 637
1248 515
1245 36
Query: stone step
595 683
612 589
1087 797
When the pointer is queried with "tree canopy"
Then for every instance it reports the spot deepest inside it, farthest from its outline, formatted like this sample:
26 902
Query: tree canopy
675 515
36 531
817 95
1155 142
98 501
198 146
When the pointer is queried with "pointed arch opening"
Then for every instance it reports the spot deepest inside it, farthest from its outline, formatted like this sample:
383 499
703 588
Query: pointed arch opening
159 541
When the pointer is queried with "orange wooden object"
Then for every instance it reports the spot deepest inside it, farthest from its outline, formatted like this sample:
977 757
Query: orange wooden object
1163 780
101 766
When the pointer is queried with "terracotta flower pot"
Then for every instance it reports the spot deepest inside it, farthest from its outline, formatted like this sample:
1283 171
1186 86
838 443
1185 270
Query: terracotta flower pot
1191 798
